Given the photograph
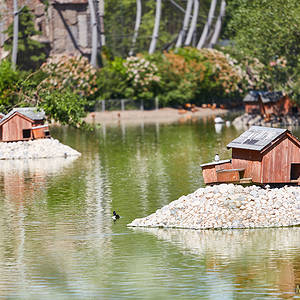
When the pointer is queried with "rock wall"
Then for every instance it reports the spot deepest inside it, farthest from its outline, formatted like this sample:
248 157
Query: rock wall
65 25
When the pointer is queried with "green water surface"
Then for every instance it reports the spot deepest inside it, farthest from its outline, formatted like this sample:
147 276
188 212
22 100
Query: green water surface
58 240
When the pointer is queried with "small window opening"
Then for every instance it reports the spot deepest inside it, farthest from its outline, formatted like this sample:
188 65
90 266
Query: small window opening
295 171
26 133
47 133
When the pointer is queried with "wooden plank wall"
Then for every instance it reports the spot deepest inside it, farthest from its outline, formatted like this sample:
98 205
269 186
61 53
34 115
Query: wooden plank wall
209 172
277 161
249 160
13 128
39 133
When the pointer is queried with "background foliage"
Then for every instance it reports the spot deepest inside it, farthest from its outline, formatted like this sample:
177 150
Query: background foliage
31 53
262 53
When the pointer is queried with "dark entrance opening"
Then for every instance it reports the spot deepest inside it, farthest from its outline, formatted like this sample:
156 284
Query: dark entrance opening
295 171
26 133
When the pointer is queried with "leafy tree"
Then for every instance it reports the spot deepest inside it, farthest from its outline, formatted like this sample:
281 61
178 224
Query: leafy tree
111 80
66 108
266 29
8 85
31 53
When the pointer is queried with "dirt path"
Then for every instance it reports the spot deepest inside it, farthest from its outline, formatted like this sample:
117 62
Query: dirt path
163 115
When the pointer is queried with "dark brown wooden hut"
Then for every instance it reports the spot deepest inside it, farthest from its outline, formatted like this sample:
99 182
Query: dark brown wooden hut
23 124
261 155
267 103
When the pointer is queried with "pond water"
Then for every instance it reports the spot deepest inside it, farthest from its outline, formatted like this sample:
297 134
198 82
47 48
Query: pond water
58 240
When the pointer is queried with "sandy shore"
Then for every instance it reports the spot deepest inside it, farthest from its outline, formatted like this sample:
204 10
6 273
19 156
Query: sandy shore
163 115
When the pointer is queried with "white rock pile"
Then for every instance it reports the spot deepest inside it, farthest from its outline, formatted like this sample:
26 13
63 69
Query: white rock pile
40 148
229 206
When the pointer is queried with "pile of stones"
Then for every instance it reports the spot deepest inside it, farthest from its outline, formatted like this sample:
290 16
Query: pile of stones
229 206
41 148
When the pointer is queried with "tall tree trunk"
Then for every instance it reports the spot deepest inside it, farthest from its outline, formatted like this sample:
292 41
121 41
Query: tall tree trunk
156 27
137 25
218 26
94 34
101 18
207 24
186 21
15 35
193 23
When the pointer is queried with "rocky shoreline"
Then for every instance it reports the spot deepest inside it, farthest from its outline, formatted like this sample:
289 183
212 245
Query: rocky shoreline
247 120
228 206
40 148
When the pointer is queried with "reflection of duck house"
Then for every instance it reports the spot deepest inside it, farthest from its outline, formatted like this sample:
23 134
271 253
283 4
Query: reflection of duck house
22 124
260 155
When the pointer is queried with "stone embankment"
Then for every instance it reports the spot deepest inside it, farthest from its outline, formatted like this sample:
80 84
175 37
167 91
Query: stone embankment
247 120
229 206
41 148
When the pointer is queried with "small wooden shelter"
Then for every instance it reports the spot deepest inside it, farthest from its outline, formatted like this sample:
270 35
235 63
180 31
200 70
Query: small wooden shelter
267 103
260 155
21 124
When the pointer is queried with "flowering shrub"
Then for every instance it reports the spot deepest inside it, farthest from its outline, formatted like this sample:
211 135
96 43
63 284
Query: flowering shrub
199 76
227 73
73 72
142 76
141 71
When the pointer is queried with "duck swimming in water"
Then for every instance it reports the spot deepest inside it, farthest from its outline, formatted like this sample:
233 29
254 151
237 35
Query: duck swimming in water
115 216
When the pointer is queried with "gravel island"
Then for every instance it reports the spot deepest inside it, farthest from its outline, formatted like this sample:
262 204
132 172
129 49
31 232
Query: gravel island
40 148
229 206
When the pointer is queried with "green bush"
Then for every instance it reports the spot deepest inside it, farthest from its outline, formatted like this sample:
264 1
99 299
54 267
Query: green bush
8 85
111 80
64 107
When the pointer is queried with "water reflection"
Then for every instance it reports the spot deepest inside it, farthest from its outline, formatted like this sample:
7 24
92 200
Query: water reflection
58 240
23 178
269 257
218 127
39 166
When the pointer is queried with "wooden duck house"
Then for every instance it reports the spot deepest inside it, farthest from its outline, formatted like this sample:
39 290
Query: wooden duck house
267 103
260 155
21 124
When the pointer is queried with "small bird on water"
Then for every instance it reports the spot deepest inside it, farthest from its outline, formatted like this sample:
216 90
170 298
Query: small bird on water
217 157
115 216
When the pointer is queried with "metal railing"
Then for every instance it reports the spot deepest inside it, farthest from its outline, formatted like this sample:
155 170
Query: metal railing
126 104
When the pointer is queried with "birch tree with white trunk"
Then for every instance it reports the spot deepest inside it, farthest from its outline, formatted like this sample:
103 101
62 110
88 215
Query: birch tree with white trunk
137 25
208 24
94 34
156 27
193 24
15 35
101 18
185 26
218 25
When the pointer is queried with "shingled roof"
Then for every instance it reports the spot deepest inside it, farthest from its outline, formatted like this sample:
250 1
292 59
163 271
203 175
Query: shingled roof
266 97
256 138
30 112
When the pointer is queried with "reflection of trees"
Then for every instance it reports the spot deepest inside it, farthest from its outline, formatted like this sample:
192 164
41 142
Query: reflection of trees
149 165
254 258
